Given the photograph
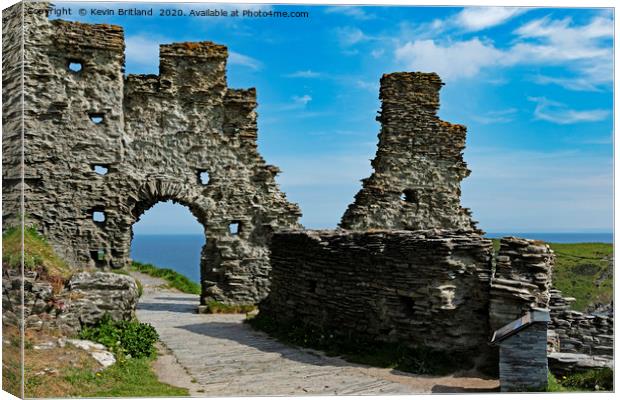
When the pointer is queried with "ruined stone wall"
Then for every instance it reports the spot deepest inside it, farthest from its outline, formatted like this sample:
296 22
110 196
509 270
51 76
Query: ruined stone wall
150 136
419 166
579 333
521 281
425 288
12 63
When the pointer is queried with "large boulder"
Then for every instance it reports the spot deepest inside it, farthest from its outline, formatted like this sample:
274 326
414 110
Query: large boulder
95 294
84 300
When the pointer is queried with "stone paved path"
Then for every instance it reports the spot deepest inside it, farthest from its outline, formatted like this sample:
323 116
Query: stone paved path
228 358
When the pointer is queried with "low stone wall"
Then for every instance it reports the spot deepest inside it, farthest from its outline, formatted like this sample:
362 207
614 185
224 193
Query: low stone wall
576 332
84 299
420 288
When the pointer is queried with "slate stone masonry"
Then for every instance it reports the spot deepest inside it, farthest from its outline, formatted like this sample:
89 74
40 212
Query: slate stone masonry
419 166
420 288
101 148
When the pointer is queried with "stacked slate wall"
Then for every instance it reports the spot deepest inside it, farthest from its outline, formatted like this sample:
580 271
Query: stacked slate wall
577 332
522 279
424 288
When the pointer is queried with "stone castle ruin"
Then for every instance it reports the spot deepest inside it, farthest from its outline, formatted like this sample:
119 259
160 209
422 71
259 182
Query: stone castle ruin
101 148
407 264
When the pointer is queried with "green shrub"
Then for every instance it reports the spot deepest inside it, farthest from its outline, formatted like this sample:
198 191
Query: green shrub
123 337
596 379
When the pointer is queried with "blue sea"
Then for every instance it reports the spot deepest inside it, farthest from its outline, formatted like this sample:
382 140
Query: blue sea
182 252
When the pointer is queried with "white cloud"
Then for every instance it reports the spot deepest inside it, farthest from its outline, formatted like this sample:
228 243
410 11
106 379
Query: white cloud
558 113
302 100
355 12
371 86
456 60
496 117
348 36
243 60
584 50
304 74
480 18
143 50
377 53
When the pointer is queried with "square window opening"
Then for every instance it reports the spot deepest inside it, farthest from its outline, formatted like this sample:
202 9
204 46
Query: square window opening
409 195
101 169
234 227
75 66
98 216
96 118
98 256
203 177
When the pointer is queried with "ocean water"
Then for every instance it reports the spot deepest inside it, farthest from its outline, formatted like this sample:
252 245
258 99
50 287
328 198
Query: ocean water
178 252
182 252
559 237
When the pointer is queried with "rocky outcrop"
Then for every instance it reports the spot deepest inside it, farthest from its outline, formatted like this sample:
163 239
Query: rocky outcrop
85 299
424 288
95 294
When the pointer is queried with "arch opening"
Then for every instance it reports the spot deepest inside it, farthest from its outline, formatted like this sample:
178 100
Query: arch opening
167 234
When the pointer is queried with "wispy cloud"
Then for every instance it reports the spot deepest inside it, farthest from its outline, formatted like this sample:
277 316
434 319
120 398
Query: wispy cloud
496 117
235 58
143 50
480 18
559 113
371 86
358 13
565 182
304 74
349 36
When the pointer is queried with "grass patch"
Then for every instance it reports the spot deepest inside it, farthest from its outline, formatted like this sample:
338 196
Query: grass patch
215 307
384 355
583 271
37 253
11 360
127 378
174 279
131 378
593 380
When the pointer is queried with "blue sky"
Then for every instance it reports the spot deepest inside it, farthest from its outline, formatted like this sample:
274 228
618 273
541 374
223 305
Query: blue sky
533 86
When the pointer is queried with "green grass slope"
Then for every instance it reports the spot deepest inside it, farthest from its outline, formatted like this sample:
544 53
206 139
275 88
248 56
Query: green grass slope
584 271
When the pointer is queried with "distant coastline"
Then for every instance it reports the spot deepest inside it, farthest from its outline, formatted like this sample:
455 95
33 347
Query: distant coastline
573 237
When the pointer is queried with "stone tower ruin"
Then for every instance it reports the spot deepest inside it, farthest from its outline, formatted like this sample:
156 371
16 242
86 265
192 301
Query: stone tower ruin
419 164
101 148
